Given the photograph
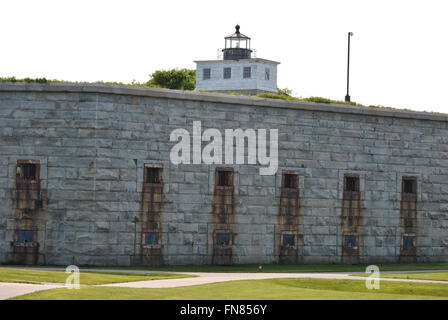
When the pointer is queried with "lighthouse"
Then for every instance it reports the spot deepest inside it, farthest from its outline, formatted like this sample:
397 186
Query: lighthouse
237 71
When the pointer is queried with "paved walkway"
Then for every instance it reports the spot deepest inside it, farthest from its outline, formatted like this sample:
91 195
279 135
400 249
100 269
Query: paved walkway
207 277
10 290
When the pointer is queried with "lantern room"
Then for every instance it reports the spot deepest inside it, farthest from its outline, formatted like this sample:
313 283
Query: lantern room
237 46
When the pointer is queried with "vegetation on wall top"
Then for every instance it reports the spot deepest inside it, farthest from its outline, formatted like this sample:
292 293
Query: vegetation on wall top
185 79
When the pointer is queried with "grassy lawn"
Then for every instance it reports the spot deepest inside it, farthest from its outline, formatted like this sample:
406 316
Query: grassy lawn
275 289
294 268
439 276
86 277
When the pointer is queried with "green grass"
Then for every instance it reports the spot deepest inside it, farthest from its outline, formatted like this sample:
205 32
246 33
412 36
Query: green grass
275 289
86 278
293 268
439 276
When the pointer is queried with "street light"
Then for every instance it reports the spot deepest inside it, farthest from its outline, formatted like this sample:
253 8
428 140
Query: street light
347 97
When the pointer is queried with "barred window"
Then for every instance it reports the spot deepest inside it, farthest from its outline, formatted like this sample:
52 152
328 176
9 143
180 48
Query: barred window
206 73
288 240
224 177
351 184
350 241
223 239
227 73
290 180
25 236
247 72
410 185
27 171
152 238
153 175
408 242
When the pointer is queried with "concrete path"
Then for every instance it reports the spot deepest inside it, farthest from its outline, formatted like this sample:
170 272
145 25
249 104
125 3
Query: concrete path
208 277
10 290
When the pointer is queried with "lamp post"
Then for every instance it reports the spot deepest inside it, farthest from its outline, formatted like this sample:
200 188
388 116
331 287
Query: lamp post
347 97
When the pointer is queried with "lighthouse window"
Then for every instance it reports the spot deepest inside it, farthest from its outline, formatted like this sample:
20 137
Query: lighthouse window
206 73
246 72
266 74
227 73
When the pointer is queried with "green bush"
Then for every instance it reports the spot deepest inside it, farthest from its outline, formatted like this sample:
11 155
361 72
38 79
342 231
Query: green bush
183 79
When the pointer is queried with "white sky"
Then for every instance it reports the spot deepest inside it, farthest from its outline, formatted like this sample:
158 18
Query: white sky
399 50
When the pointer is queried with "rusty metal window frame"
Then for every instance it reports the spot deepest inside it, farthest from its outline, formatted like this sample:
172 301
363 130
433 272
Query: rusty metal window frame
158 168
286 234
206 73
407 182
352 236
159 238
228 171
223 232
352 183
408 235
286 175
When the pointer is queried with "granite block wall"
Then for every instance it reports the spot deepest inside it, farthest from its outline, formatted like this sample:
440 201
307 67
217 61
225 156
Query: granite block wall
95 199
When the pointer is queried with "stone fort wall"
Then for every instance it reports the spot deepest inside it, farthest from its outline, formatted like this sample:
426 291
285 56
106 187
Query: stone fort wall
77 166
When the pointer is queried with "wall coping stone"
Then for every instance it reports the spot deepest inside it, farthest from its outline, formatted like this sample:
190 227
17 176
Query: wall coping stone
214 97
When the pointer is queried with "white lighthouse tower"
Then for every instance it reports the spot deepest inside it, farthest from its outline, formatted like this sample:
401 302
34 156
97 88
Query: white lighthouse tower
238 71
